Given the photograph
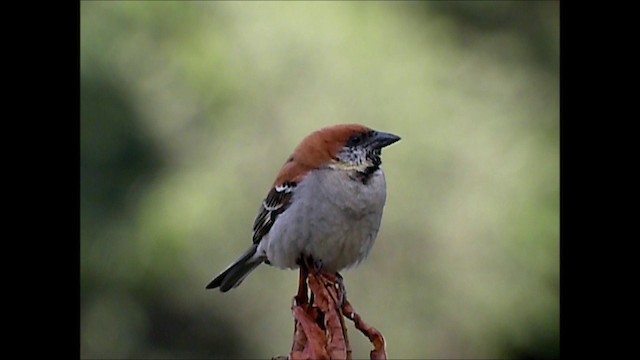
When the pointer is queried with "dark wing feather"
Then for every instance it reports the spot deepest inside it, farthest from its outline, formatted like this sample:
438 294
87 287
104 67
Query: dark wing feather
277 201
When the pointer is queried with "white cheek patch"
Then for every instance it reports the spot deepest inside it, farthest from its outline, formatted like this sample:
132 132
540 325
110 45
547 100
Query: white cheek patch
351 159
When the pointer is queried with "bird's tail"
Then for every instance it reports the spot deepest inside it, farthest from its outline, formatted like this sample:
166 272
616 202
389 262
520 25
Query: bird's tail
238 271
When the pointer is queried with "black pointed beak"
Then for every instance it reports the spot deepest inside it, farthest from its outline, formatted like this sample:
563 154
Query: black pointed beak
381 139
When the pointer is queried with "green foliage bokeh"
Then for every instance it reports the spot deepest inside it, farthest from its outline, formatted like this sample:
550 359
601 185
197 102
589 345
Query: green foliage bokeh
188 110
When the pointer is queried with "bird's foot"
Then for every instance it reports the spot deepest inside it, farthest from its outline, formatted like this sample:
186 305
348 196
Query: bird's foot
302 297
313 266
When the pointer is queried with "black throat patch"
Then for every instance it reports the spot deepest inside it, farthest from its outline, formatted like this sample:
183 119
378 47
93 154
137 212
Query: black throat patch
365 176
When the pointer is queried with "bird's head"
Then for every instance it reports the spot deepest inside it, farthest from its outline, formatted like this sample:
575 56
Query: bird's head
361 148
349 147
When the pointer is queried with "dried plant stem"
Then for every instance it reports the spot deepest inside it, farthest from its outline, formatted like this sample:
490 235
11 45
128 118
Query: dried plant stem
379 351
319 328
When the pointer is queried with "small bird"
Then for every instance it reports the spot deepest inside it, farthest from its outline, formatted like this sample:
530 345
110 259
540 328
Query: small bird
326 203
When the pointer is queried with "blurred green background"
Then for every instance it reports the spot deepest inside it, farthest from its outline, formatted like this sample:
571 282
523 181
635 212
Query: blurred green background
188 110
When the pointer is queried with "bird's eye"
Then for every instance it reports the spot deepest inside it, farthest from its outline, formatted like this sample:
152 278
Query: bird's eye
355 140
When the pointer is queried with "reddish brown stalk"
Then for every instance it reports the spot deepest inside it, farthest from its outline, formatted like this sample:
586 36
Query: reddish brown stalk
319 328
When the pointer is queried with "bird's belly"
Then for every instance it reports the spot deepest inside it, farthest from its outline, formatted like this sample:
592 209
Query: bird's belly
332 218
343 247
338 238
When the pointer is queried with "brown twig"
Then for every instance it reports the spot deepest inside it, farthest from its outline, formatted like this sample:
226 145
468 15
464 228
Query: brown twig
316 343
319 327
379 351
325 301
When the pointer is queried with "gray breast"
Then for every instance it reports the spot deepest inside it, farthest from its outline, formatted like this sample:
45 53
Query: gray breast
333 218
343 191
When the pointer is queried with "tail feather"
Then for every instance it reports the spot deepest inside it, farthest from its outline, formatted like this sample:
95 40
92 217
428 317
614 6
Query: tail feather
232 276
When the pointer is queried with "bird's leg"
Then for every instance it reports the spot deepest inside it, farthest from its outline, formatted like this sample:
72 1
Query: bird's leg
342 290
315 266
303 291
311 267
335 281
